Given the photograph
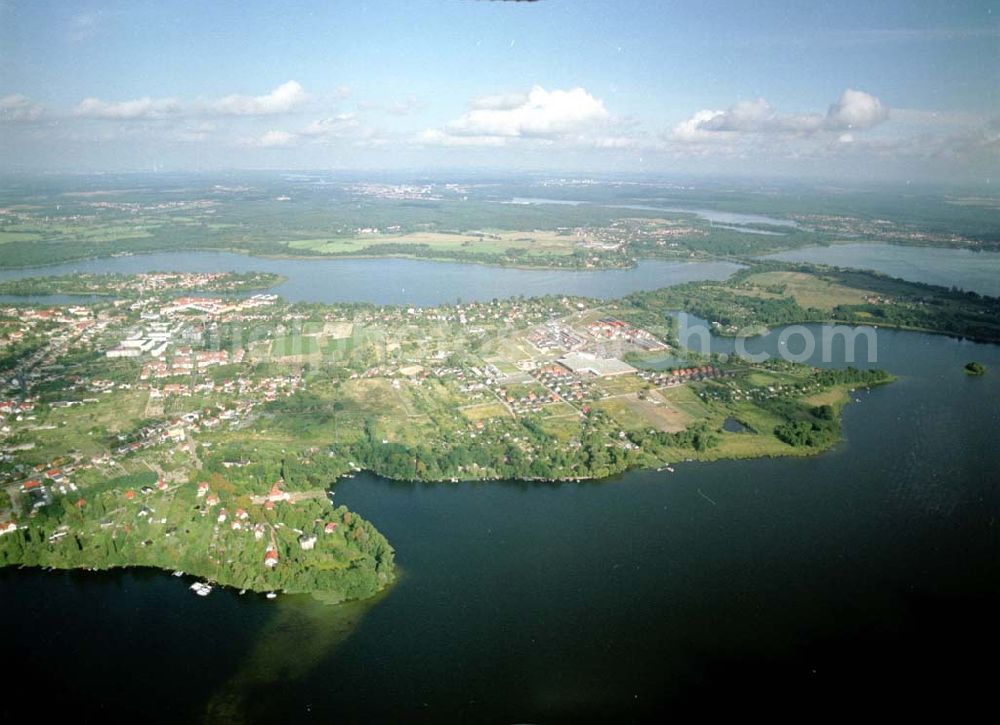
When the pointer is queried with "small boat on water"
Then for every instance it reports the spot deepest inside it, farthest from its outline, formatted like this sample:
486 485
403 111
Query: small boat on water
178 573
201 589
272 595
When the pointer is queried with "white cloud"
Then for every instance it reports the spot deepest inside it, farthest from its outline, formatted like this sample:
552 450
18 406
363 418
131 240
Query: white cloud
694 128
405 106
343 127
435 137
17 107
197 132
339 125
613 142
541 113
276 138
499 101
126 110
854 110
282 99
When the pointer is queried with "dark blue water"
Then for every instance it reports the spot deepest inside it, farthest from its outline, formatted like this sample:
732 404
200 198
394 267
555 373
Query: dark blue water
870 570
857 572
867 574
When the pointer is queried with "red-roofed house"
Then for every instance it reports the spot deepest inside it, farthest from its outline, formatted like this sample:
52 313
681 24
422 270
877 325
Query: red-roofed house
276 493
270 557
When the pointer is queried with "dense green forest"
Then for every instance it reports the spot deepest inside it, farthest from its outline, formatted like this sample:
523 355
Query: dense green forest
740 306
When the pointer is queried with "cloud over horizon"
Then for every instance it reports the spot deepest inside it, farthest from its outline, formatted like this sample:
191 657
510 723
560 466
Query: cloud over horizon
284 98
538 114
123 110
853 111
18 107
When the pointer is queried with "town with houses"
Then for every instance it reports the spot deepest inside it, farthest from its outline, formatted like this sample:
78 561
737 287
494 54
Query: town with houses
131 410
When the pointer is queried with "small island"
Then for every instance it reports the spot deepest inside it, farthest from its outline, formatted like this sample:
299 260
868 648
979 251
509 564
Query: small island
975 368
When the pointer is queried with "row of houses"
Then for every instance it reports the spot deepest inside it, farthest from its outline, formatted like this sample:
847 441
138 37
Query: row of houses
682 375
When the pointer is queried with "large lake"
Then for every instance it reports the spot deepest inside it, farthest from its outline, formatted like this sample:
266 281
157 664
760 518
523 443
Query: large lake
869 571
401 281
966 269
725 219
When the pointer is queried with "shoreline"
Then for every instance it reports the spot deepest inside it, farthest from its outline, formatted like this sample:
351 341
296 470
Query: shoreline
187 577
766 256
710 455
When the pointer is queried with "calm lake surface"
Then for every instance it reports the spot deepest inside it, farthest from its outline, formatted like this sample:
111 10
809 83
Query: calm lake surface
400 281
968 270
719 218
869 571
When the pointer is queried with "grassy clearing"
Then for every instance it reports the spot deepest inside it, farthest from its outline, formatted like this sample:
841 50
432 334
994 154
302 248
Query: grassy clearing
620 384
739 445
26 235
809 290
338 330
288 345
834 396
483 411
75 430
563 428
98 233
633 413
363 396
683 399
311 327
559 410
474 242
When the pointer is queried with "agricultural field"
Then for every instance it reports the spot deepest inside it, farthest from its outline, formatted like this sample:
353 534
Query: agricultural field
632 412
293 345
483 411
536 242
85 427
808 290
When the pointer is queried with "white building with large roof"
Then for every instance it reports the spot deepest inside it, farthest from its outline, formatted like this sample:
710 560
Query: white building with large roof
590 364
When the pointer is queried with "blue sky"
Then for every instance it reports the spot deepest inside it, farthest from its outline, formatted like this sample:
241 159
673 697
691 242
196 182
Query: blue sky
878 89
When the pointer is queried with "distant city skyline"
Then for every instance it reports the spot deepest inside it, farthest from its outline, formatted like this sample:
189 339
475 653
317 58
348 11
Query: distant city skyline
847 90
